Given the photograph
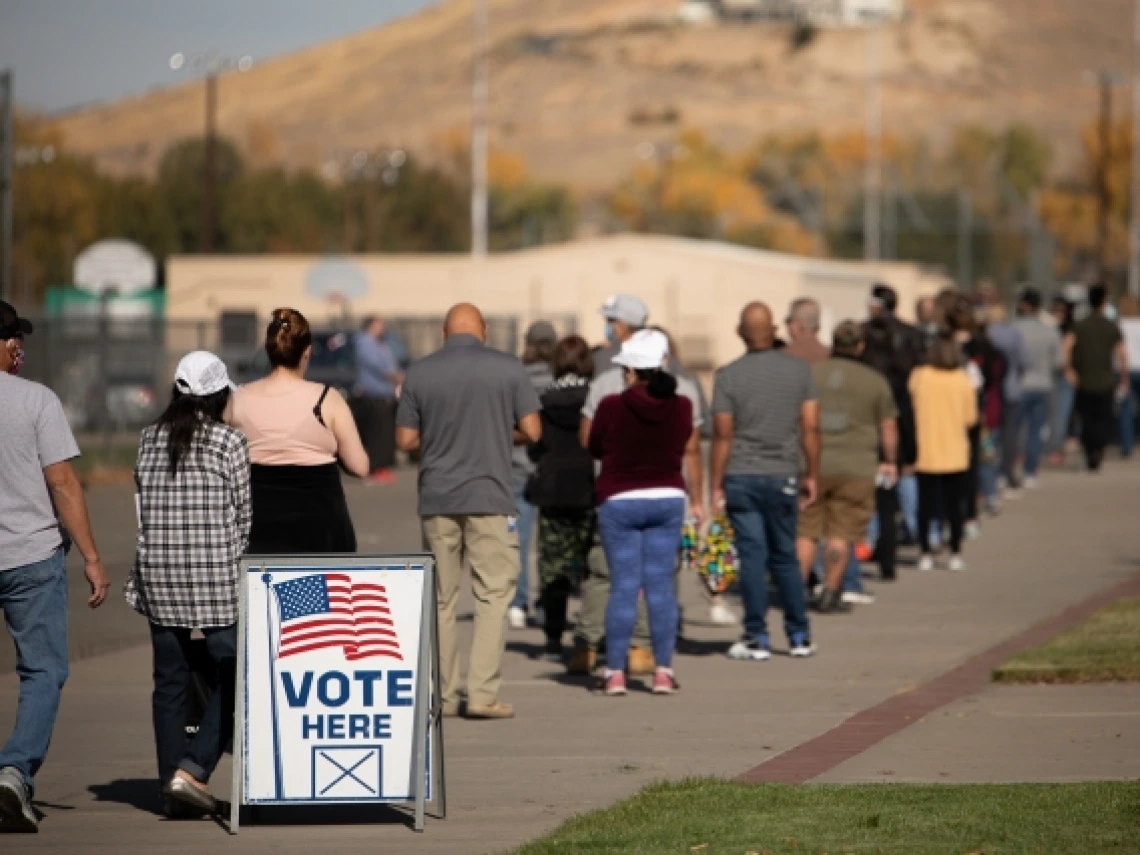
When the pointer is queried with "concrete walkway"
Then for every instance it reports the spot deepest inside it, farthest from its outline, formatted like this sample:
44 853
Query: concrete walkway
570 751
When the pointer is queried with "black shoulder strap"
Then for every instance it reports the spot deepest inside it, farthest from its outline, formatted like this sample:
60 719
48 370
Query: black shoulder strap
317 408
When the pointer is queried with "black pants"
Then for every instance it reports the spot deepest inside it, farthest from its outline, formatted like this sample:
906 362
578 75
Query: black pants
969 501
951 488
376 421
887 509
1098 422
170 701
1010 441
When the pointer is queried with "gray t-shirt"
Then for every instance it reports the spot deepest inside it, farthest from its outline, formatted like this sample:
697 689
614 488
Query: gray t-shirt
465 400
764 391
1042 347
33 434
612 382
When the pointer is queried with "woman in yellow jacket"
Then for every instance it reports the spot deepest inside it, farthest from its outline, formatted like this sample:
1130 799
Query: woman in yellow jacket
945 408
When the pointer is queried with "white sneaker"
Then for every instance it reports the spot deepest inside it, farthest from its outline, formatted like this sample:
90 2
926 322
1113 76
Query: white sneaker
749 649
803 649
956 564
973 530
926 564
516 618
1030 482
16 813
721 615
858 598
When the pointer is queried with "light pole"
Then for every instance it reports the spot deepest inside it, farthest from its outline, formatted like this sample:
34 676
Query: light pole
479 92
7 144
213 65
1134 214
367 167
873 131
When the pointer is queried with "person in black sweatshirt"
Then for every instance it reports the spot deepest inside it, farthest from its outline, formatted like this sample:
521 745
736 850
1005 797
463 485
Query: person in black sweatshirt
562 487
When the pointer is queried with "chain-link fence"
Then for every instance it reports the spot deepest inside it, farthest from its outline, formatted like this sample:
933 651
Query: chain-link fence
113 374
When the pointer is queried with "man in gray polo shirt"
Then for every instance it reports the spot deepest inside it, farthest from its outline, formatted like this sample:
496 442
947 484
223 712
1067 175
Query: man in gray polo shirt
36 479
765 412
464 408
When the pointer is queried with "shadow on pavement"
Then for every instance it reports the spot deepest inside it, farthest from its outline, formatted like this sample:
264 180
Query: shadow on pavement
140 793
326 815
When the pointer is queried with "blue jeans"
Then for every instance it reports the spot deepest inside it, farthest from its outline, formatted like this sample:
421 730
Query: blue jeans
1063 398
34 599
764 510
641 538
528 514
989 470
908 503
853 575
1126 415
1034 411
172 660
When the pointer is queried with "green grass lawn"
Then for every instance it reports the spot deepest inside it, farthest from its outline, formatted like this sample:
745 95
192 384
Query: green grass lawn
714 817
1104 648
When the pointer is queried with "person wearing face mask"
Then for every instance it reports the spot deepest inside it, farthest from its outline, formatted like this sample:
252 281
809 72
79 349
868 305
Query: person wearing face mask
38 483
625 315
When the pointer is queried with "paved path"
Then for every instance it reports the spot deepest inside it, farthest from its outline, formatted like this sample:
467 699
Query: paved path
570 751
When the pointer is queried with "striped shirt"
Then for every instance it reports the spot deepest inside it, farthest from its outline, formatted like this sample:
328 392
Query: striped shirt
763 391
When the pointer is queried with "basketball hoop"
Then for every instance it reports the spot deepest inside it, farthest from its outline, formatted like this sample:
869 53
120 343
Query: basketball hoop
338 304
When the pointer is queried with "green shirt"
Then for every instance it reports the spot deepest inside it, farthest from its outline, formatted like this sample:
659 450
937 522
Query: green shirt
853 401
1093 350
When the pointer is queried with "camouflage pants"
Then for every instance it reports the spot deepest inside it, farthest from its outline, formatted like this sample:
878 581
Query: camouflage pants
564 541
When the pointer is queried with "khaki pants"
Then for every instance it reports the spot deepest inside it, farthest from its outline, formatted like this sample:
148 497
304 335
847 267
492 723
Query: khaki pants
493 553
591 628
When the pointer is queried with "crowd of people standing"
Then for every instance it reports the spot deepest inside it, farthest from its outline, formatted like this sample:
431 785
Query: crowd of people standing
821 456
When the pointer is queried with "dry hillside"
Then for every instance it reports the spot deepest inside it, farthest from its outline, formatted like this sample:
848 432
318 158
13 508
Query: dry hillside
577 84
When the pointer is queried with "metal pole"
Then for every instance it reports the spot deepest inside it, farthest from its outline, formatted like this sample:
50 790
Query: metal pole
7 147
965 238
873 170
209 176
479 134
1103 189
1134 219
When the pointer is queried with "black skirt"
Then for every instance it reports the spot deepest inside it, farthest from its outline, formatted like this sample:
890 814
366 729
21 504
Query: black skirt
299 510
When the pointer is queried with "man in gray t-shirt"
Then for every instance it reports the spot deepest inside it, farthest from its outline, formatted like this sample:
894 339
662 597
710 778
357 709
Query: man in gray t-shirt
464 407
764 413
1042 348
35 479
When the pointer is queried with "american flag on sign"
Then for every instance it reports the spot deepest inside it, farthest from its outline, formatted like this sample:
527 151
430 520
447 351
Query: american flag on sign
330 610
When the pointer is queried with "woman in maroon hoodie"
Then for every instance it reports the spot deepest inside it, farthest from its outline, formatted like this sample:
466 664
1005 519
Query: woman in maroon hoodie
641 437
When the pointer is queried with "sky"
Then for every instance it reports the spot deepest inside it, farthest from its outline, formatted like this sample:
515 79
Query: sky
66 53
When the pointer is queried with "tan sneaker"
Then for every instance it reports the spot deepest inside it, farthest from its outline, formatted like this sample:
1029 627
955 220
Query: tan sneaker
640 661
582 660
496 710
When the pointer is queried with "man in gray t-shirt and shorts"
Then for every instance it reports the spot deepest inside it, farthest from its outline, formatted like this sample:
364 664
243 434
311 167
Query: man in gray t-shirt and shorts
36 479
464 408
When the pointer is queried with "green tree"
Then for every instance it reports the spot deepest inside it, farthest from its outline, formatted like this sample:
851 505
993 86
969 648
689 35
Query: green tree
181 183
274 211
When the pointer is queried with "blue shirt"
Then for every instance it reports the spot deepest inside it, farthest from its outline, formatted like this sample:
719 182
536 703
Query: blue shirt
374 366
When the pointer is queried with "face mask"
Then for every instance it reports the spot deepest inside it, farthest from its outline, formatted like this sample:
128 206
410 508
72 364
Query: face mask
611 333
17 354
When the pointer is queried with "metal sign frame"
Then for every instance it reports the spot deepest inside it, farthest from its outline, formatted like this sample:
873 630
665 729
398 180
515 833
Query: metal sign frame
428 709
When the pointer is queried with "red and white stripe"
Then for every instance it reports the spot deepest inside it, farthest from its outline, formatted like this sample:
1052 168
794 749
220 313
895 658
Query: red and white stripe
360 622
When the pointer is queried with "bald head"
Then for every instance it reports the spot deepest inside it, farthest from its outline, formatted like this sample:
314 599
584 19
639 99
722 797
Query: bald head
756 327
465 319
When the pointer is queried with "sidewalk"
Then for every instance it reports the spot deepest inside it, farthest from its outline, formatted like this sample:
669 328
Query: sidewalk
570 751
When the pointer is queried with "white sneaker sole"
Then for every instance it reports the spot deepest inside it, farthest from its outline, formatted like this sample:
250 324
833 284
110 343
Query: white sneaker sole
802 652
750 655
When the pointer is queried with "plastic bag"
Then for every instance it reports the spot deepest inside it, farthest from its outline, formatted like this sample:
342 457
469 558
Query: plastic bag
713 556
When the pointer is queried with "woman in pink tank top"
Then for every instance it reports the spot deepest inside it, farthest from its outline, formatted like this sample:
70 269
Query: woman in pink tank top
298 432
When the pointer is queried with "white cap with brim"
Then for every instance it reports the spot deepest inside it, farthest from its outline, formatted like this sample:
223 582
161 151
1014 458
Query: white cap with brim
626 308
648 349
201 373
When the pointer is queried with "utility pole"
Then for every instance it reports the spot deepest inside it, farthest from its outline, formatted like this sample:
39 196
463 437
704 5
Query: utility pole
1103 192
209 172
7 153
213 65
873 132
1134 214
479 93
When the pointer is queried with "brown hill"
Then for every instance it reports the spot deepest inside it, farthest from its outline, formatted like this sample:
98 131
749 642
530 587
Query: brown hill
578 84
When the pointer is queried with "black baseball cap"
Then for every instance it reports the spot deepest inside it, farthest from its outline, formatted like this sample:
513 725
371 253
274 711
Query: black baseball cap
11 324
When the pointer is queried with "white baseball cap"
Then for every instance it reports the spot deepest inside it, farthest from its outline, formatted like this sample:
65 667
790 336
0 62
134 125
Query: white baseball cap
201 373
647 349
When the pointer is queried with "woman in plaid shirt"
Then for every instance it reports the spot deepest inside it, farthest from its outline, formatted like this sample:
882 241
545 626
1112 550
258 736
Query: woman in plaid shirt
193 498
